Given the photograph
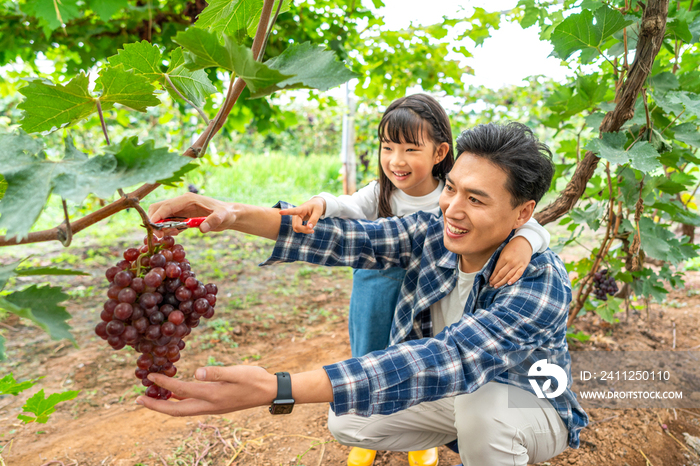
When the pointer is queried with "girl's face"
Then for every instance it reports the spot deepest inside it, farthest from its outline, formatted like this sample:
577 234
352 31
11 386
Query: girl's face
409 167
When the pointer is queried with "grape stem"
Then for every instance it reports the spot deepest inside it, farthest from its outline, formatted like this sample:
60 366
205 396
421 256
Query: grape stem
65 236
199 110
134 202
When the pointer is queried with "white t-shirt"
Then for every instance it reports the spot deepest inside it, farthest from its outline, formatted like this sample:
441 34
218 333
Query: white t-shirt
449 309
364 205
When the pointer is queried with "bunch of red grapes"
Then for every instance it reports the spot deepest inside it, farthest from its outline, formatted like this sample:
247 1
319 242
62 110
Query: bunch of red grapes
155 301
604 285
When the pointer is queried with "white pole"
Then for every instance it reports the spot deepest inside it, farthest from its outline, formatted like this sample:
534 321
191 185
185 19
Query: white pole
347 149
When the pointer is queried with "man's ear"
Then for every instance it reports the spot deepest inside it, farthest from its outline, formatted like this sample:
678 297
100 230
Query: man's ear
441 152
525 211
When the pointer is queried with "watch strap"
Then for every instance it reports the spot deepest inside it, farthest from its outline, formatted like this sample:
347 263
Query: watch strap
284 386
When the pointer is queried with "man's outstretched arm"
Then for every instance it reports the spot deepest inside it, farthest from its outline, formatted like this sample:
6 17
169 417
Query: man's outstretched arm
259 221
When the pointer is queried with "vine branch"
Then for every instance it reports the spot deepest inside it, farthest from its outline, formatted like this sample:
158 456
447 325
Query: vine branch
651 34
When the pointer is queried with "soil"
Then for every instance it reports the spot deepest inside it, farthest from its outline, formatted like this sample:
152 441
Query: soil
291 317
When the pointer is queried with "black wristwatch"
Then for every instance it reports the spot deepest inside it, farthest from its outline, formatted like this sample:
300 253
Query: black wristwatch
284 403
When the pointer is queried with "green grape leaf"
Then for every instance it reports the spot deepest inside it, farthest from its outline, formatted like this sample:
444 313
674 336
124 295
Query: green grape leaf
687 133
40 305
3 187
9 386
655 239
145 59
105 9
689 100
42 407
195 85
679 30
48 107
228 17
2 348
126 88
579 32
644 157
664 82
32 178
54 12
610 147
142 57
206 51
311 67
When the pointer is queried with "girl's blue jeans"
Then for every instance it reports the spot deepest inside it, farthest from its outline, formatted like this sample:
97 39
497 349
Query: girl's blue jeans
374 297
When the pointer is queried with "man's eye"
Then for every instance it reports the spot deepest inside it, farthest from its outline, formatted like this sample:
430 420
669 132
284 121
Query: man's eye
448 187
475 200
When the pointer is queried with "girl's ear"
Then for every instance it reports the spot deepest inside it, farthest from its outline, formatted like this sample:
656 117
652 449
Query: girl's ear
441 153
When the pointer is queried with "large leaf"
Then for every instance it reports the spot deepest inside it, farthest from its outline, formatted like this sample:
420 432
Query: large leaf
689 100
687 133
580 31
7 272
32 178
40 304
126 88
9 386
229 17
311 67
195 85
48 107
54 12
642 156
206 51
42 407
146 59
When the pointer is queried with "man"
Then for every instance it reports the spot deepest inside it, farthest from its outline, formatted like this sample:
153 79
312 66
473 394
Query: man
457 367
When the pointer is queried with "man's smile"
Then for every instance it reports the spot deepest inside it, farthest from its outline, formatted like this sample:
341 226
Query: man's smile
453 231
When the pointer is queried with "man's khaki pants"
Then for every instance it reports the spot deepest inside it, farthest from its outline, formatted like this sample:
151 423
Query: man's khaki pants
489 432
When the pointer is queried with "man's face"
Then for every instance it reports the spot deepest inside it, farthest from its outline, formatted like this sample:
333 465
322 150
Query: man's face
477 210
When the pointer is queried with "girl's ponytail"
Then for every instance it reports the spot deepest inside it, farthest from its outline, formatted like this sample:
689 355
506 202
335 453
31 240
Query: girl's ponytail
407 120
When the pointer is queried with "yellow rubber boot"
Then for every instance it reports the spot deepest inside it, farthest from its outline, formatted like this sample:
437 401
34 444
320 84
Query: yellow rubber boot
423 457
361 457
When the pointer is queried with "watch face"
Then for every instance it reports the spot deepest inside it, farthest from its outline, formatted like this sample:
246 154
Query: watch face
282 407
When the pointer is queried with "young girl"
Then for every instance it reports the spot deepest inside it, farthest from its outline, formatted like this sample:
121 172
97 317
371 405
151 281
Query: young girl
415 154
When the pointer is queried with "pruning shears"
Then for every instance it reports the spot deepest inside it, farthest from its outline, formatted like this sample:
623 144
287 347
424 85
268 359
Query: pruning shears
178 223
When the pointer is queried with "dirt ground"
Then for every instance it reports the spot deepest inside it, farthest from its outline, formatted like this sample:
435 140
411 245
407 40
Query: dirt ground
293 318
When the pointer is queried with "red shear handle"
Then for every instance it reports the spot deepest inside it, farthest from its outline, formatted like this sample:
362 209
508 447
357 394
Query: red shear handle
195 222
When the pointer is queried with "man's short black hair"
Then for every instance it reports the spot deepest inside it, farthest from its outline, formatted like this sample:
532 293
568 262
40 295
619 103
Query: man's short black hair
514 149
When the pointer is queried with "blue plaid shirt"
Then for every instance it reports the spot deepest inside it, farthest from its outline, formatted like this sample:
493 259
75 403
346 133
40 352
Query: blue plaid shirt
500 330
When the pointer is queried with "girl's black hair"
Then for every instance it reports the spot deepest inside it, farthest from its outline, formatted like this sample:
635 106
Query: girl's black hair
407 120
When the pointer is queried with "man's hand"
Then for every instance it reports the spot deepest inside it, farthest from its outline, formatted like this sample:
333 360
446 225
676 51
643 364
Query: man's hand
227 389
309 212
512 262
220 215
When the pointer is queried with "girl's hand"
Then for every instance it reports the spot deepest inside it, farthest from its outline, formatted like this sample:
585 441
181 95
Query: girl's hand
309 212
220 215
512 263
226 389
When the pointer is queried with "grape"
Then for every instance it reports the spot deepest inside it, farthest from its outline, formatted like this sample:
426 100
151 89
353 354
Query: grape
167 329
152 299
115 328
183 293
131 254
123 311
172 270
111 272
101 330
176 317
127 295
138 285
